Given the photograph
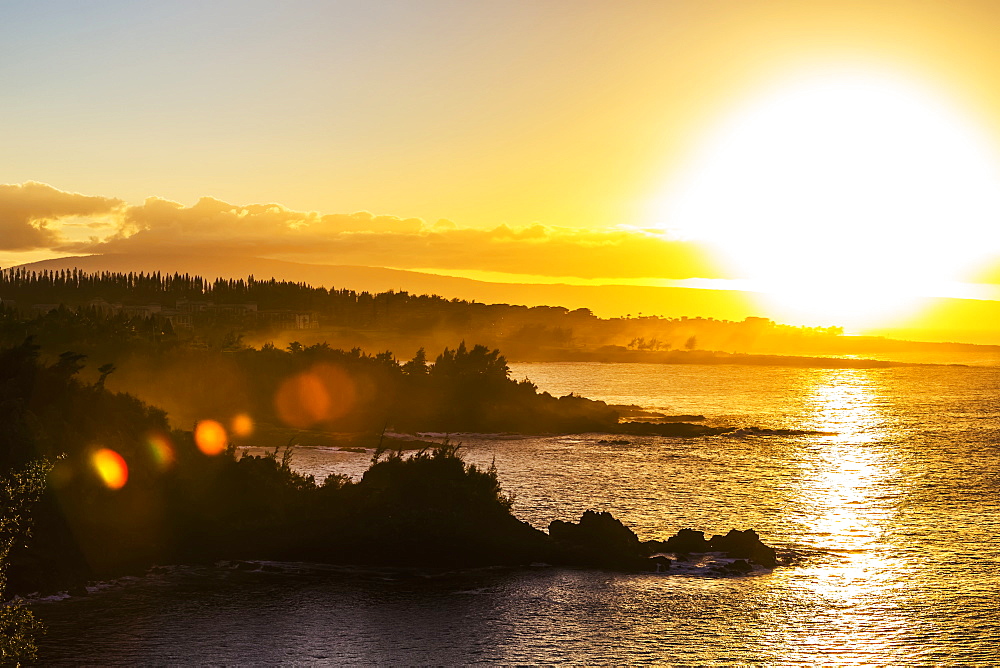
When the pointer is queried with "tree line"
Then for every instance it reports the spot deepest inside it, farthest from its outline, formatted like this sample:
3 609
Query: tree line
401 320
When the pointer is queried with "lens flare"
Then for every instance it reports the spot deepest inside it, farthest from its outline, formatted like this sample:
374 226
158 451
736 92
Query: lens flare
161 450
210 437
111 468
242 425
322 394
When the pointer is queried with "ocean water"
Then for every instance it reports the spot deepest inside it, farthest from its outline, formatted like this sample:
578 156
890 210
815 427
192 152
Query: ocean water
896 512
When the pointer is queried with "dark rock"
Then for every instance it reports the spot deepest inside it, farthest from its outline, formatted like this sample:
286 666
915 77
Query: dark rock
762 431
744 545
682 418
659 563
687 540
79 590
653 546
736 544
764 555
597 540
674 429
739 566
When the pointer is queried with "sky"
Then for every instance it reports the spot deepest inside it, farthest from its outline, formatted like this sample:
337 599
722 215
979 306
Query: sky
842 158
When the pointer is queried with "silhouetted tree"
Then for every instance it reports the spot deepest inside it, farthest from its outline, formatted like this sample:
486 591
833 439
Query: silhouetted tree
20 490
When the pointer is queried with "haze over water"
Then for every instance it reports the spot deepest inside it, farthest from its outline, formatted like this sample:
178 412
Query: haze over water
895 513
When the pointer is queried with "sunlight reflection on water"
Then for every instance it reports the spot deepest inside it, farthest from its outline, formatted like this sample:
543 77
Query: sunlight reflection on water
847 481
846 496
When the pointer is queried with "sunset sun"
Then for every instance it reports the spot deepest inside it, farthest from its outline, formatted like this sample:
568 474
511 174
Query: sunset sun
843 194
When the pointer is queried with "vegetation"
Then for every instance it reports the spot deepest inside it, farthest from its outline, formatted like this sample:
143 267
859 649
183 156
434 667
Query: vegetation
167 501
104 485
116 317
430 509
19 491
464 389
125 493
199 311
124 490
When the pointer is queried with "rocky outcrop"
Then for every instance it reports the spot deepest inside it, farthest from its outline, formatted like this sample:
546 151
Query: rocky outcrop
745 545
762 431
676 429
689 430
686 541
598 540
740 545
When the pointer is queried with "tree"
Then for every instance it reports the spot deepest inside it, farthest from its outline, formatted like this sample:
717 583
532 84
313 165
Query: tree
19 491
418 365
480 362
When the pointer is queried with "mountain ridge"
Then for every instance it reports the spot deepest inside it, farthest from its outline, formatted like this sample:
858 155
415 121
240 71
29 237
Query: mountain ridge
607 301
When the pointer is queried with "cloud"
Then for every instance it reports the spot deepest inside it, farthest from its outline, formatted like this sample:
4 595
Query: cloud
542 250
28 210
363 238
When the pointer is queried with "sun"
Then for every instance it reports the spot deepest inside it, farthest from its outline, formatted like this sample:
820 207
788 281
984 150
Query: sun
843 194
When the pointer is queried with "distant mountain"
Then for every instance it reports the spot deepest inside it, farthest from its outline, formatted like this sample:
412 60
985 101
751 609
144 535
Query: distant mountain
606 301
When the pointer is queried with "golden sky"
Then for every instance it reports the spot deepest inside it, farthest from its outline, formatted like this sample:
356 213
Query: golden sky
842 156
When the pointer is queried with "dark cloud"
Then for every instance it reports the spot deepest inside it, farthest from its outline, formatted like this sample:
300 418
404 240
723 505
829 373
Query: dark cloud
271 230
28 209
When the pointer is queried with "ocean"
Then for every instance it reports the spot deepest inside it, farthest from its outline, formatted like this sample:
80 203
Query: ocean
894 510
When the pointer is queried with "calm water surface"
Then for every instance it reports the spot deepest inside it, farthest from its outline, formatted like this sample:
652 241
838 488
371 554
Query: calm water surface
897 511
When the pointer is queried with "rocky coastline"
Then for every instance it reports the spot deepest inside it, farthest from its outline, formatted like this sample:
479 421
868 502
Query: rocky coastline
599 540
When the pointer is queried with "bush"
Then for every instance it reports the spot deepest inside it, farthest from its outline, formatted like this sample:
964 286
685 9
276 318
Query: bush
18 627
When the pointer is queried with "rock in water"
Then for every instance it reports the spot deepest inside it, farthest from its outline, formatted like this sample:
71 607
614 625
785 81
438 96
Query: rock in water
745 545
685 541
598 540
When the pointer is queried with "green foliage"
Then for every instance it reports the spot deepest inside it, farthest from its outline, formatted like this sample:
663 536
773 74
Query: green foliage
19 491
437 480
418 365
47 412
430 508
541 332
471 390
466 389
480 363
19 630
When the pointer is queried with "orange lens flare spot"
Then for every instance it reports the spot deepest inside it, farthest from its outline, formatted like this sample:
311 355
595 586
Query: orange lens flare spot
242 425
210 437
161 450
321 395
111 468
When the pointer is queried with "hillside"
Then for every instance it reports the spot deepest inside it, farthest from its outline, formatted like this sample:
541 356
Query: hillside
258 311
607 301
941 320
